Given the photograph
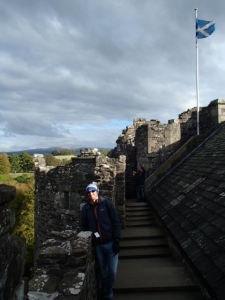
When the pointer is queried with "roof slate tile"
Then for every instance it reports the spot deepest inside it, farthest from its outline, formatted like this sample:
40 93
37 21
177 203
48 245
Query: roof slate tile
190 200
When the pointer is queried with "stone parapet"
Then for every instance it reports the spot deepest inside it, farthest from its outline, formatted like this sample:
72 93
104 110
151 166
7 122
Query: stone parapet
65 268
64 263
60 192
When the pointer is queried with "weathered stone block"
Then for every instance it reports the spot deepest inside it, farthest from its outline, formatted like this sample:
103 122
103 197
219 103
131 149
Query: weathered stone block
77 252
53 253
7 193
7 220
12 252
42 296
44 283
71 284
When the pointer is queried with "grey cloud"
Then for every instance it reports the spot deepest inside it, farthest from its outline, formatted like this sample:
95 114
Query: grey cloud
70 67
28 124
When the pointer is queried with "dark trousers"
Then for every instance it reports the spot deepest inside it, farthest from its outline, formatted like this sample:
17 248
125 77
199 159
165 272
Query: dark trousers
140 194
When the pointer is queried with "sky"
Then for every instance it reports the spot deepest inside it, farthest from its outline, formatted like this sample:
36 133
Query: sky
76 73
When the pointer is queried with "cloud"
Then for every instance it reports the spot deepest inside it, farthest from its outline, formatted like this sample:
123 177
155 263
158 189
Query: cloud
78 72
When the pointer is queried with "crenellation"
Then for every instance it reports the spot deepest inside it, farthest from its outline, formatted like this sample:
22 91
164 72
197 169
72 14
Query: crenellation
89 152
154 142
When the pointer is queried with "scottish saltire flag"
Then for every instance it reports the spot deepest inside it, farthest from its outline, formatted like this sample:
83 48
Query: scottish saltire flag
204 28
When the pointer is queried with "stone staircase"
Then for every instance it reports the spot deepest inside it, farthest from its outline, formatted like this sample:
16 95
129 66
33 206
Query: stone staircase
146 268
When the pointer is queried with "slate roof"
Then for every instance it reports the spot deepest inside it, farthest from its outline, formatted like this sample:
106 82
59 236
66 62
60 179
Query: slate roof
190 201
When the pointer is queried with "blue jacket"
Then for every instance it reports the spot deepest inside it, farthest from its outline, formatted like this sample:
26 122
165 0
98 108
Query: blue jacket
101 218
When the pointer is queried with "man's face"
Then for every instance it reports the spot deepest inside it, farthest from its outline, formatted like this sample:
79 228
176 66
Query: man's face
93 196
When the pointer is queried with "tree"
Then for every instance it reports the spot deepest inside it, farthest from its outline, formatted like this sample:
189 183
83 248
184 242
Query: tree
104 152
4 163
52 161
26 162
58 152
14 160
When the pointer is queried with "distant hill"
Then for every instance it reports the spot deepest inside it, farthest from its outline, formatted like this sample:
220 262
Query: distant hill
49 150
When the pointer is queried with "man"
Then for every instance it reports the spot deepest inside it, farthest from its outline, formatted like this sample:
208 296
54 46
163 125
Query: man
99 217
139 177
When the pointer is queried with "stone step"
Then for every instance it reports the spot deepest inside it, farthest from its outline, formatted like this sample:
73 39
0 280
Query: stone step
145 243
144 252
133 276
139 218
160 295
140 264
139 214
138 233
135 209
137 204
146 268
140 223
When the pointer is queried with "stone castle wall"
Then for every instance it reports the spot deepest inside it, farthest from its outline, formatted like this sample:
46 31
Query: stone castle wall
150 143
65 268
60 192
64 262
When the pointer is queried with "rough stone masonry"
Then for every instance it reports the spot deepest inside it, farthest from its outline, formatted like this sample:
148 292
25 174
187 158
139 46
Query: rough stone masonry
64 262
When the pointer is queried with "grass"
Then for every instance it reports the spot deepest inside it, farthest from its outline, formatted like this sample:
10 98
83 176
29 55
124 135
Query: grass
66 157
7 178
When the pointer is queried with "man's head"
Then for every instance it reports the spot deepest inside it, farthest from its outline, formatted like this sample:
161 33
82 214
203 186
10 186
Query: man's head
92 192
140 168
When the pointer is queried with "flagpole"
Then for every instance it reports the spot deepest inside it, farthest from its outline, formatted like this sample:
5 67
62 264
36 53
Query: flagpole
197 75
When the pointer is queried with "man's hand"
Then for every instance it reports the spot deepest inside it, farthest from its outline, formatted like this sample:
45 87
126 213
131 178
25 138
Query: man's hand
116 247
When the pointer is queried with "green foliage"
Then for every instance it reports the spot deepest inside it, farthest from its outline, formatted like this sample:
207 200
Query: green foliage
4 178
23 206
4 163
26 162
57 152
21 163
66 161
52 161
14 160
24 178
11 178
104 151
